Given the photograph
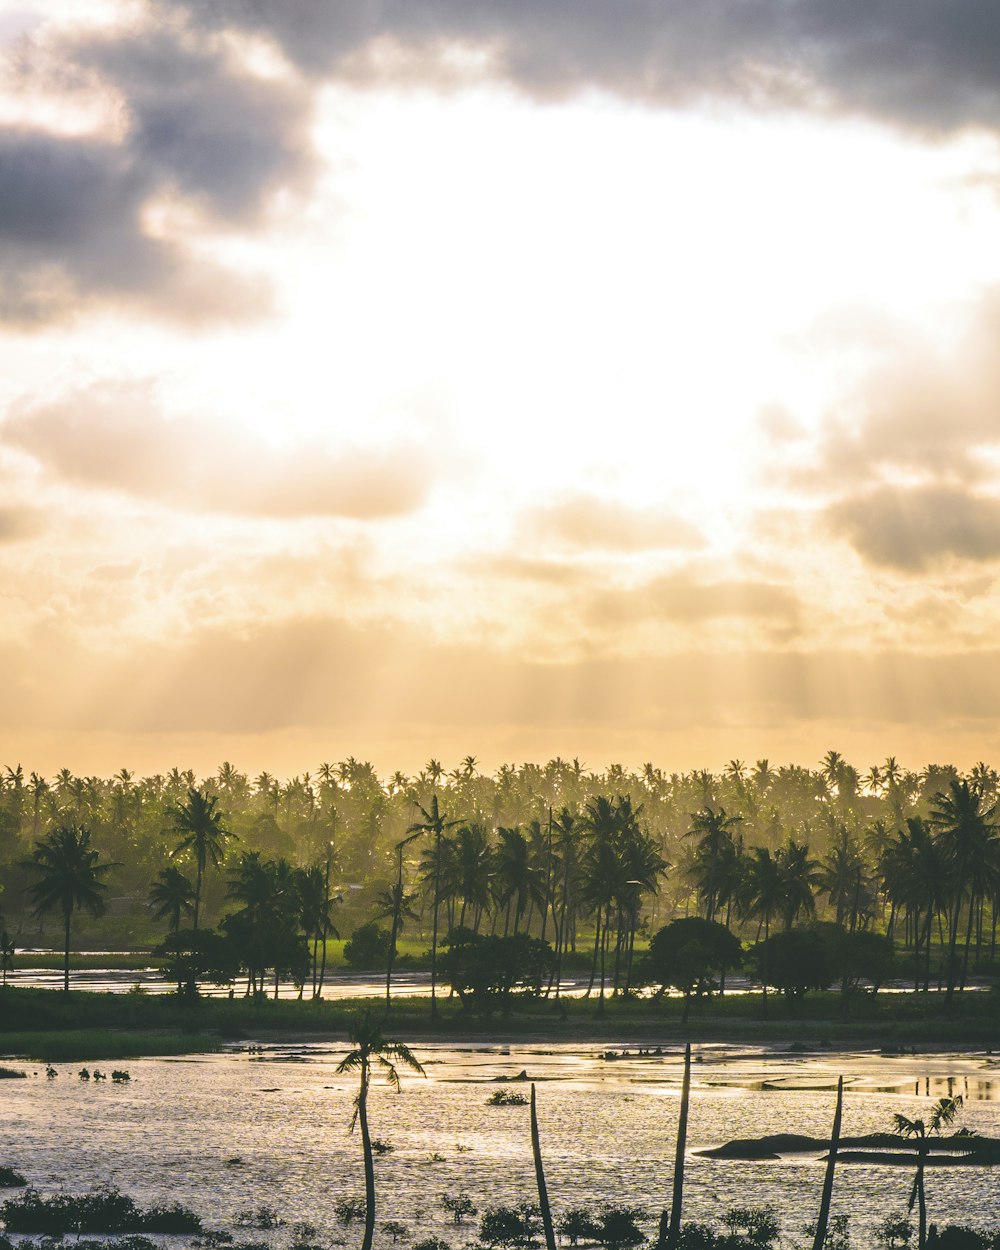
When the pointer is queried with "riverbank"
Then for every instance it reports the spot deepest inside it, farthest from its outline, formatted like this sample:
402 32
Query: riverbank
48 1019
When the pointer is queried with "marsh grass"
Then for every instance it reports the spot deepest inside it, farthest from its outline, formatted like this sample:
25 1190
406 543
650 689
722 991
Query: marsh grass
78 1045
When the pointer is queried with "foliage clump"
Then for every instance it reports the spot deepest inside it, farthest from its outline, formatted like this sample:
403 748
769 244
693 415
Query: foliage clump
103 1211
507 1098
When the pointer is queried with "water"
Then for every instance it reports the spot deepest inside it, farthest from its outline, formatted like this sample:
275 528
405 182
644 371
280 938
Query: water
228 1132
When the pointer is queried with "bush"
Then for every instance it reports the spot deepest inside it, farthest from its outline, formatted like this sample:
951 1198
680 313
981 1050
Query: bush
459 1207
367 947
617 1227
349 1209
510 1226
262 1217
105 1211
431 1243
506 1098
575 1224
11 1179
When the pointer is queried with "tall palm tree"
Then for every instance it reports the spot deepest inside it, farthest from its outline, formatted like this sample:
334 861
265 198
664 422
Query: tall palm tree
967 831
715 855
69 878
202 833
434 821
944 1111
764 896
372 1051
395 902
800 878
171 895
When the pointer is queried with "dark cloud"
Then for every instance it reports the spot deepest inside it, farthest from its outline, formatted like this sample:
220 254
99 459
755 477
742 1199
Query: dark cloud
930 64
74 211
910 528
114 437
591 523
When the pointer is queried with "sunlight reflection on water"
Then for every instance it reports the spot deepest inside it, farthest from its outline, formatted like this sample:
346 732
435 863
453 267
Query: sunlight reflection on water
607 1130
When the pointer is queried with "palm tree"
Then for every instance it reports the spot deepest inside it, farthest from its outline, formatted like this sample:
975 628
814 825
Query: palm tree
396 903
433 822
967 832
171 895
70 878
715 855
203 833
945 1110
764 896
372 1051
799 880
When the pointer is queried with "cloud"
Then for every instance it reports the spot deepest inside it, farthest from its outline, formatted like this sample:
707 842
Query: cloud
910 529
685 599
195 127
18 523
592 523
114 437
927 64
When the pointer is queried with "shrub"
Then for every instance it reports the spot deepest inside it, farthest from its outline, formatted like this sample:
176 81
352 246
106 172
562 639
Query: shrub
11 1179
105 1211
395 1230
368 946
348 1209
758 1226
510 1226
459 1207
507 1098
11 1074
431 1243
263 1217
894 1232
616 1227
575 1224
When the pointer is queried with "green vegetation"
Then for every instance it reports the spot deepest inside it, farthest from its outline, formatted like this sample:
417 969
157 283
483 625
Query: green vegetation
105 1211
239 881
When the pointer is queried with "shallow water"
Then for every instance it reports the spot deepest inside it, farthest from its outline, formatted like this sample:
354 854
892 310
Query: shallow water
608 1129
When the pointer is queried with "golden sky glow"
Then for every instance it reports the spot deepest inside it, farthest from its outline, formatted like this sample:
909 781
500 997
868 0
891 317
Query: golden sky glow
450 377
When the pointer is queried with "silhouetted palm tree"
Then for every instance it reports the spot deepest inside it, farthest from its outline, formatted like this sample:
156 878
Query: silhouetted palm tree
434 821
372 1051
203 833
967 832
171 895
945 1110
395 902
70 878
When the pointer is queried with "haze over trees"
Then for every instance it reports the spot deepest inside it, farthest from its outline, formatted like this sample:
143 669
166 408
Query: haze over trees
590 864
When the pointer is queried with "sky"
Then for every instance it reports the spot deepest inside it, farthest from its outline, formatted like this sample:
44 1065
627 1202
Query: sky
405 378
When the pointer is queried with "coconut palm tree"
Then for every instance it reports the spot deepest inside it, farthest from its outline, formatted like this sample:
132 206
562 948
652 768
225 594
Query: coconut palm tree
395 902
202 833
434 821
371 1052
944 1111
69 878
716 853
967 832
171 895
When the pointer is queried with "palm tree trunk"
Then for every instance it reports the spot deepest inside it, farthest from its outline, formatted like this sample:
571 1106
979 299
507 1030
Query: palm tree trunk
677 1196
831 1162
543 1196
366 1146
67 915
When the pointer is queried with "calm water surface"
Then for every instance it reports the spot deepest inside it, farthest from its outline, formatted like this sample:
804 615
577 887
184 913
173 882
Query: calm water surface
227 1132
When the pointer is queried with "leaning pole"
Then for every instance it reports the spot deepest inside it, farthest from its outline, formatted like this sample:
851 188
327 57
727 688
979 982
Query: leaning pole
543 1196
831 1163
677 1199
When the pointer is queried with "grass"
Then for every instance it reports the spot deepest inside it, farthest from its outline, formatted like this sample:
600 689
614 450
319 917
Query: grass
49 1025
78 1045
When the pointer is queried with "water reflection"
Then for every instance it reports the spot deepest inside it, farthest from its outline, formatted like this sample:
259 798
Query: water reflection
607 1129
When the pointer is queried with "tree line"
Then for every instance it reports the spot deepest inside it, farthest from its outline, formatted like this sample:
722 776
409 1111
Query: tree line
588 864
